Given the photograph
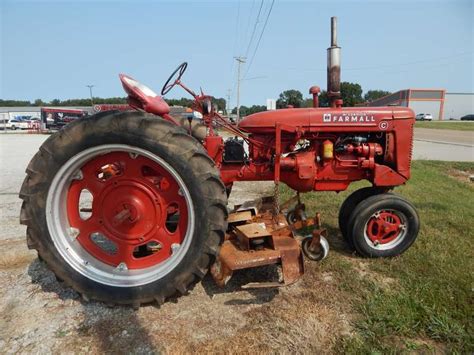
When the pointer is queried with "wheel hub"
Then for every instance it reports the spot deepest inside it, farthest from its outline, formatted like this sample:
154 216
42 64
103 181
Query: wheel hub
384 227
129 210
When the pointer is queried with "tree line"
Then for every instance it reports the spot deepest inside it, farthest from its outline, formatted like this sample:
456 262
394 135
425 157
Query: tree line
68 102
185 102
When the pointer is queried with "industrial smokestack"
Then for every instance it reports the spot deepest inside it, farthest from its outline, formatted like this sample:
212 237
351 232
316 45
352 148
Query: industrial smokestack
334 66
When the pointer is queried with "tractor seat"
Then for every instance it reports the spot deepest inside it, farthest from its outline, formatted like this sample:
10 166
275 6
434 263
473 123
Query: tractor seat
142 97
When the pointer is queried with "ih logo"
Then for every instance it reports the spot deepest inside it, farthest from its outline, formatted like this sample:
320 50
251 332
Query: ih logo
327 117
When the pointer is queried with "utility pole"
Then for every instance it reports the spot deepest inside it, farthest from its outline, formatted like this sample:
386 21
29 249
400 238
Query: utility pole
90 91
229 108
240 60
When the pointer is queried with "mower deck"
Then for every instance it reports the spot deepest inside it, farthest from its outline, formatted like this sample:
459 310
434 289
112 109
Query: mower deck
255 237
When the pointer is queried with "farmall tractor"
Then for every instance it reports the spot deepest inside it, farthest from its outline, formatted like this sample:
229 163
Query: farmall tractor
131 207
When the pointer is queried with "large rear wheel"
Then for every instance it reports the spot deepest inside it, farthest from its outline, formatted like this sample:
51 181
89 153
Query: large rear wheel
124 207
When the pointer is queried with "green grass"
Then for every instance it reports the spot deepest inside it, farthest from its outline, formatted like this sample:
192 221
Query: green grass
423 299
457 126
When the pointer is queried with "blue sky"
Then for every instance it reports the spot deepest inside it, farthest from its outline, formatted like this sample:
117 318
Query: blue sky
54 49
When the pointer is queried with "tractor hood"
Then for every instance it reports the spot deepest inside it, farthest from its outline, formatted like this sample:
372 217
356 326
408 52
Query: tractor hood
325 119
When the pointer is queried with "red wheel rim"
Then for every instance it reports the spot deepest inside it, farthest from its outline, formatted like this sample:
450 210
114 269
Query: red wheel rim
384 227
138 214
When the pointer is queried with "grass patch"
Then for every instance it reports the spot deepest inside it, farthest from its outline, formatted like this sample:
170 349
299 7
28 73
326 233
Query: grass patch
457 126
421 300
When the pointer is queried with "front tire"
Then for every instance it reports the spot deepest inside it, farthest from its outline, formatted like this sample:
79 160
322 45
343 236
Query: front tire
350 204
384 225
157 214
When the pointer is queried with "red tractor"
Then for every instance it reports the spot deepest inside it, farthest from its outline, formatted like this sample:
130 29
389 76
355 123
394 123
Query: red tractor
131 207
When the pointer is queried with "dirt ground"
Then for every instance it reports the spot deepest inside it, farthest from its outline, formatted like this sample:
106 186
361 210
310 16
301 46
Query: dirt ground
40 315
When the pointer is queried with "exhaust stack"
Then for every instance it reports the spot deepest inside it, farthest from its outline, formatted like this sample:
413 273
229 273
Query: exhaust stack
334 67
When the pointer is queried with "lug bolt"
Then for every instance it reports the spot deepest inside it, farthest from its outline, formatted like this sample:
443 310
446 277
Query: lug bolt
175 247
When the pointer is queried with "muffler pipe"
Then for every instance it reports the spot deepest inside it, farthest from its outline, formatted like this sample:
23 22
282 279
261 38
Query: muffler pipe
334 66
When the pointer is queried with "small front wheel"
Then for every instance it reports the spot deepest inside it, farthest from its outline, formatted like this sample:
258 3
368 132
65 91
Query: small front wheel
350 204
291 217
296 214
384 225
315 256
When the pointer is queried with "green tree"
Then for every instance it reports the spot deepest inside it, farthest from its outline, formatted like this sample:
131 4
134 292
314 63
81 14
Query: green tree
323 100
220 103
351 94
38 102
14 103
185 102
372 95
256 108
290 97
245 111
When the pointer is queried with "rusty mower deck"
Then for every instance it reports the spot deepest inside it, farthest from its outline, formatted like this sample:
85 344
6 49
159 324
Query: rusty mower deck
256 237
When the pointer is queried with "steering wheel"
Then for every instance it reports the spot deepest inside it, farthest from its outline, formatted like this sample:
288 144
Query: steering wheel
180 70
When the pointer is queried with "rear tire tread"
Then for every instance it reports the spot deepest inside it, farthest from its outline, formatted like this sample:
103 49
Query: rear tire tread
156 128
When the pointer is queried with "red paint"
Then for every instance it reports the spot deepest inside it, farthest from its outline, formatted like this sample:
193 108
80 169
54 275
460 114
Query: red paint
214 146
315 90
384 227
130 206
145 100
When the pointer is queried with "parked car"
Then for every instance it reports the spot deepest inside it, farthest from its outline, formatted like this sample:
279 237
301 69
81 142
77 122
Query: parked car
468 117
424 117
3 123
16 124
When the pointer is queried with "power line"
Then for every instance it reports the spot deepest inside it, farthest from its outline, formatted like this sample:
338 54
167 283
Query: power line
257 20
246 35
249 19
237 23
236 36
260 38
255 77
